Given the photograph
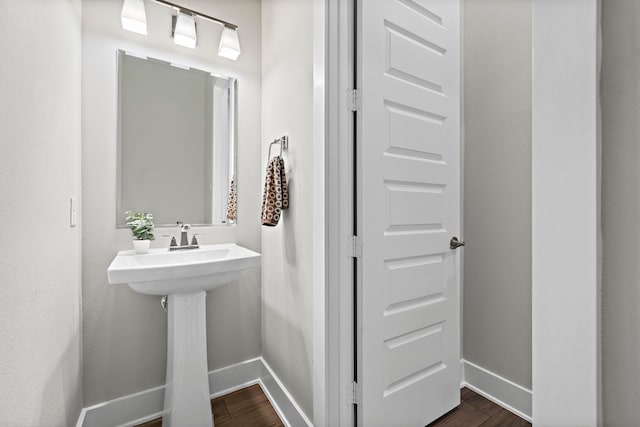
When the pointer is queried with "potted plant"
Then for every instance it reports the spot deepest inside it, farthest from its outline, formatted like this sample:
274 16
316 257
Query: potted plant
141 225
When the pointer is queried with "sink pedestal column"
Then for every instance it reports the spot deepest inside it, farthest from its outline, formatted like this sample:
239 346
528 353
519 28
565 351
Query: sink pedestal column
186 399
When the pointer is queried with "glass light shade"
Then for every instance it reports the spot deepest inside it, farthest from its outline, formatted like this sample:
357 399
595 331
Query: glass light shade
134 17
229 44
184 33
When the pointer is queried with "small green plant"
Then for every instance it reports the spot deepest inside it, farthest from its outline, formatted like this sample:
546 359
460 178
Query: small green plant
141 225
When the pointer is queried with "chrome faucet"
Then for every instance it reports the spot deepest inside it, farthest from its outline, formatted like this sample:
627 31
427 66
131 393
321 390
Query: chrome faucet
184 240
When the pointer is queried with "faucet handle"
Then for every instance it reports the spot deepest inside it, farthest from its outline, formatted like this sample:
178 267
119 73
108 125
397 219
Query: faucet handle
182 226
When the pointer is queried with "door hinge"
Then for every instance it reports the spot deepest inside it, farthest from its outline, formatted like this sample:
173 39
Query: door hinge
354 394
354 248
353 99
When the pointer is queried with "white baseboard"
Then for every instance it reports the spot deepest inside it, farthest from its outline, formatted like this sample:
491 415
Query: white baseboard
281 400
506 393
146 405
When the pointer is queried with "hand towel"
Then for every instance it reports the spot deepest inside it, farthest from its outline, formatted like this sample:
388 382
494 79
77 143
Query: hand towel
276 194
232 213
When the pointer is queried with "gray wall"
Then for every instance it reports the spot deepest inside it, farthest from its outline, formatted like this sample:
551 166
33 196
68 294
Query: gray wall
124 332
497 187
287 274
40 324
620 89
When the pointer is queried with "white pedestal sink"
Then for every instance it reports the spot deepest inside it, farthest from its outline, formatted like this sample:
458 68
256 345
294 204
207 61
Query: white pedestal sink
185 276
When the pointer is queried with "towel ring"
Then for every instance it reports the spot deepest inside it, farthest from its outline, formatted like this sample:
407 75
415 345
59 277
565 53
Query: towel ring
284 144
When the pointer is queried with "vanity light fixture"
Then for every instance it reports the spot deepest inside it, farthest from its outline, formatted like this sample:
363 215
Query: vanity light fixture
229 44
184 26
133 16
184 30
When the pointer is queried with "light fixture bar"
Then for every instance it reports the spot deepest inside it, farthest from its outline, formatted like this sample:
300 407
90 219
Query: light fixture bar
195 13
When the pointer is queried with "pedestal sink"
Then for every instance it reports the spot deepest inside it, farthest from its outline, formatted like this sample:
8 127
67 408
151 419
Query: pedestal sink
184 276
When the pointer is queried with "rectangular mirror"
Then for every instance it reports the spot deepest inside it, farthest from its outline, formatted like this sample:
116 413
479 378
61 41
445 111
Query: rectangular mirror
176 143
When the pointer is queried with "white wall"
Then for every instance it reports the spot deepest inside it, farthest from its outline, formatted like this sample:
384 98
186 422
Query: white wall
497 187
40 368
124 332
287 275
620 212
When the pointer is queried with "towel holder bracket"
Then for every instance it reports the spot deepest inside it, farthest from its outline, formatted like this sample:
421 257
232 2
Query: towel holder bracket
283 141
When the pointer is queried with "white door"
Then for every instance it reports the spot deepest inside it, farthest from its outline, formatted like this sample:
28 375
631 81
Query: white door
408 210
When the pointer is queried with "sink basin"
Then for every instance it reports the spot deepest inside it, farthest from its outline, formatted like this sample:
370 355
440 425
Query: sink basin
161 272
185 276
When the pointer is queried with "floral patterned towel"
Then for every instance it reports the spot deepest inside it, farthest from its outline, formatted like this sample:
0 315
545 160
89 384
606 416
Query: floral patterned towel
276 194
232 212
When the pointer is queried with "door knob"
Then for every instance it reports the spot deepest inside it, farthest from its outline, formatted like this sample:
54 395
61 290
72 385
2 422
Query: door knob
455 243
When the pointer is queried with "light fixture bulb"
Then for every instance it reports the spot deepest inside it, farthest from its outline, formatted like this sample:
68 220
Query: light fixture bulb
184 31
229 44
134 17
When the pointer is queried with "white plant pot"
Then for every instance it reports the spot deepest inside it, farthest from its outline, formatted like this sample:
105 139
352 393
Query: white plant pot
141 246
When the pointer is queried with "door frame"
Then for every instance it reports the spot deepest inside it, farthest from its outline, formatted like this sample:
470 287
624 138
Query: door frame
333 212
566 161
333 187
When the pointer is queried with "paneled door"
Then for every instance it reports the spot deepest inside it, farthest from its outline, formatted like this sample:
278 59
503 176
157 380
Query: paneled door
408 151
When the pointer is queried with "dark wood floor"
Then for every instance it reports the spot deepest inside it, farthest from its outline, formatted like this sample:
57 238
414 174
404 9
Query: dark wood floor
476 411
248 407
